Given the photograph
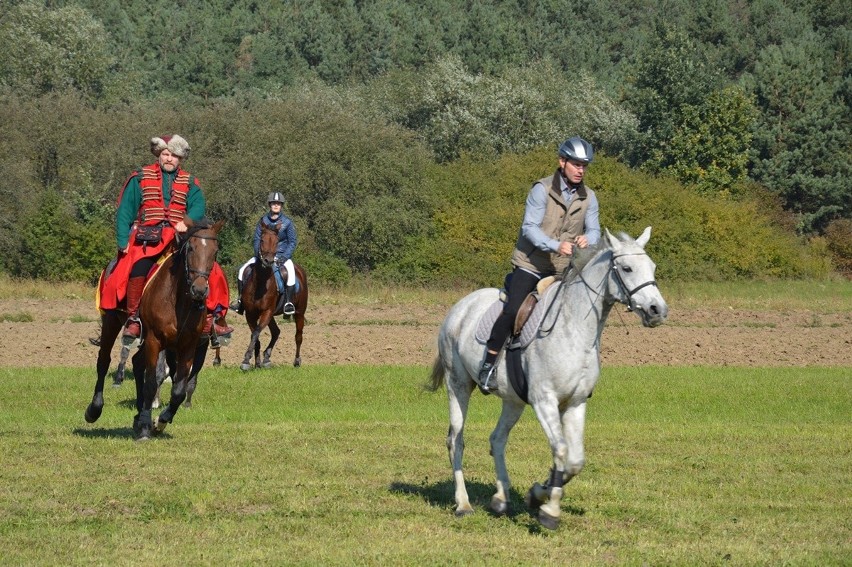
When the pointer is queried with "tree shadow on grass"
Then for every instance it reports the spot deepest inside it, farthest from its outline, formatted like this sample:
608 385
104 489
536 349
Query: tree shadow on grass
442 495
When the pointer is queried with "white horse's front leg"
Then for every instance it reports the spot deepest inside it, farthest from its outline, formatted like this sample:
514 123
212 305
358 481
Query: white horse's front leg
573 421
459 400
573 426
499 437
550 497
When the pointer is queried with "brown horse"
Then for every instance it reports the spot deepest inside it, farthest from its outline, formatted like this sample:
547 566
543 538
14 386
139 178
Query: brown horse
260 302
172 312
112 323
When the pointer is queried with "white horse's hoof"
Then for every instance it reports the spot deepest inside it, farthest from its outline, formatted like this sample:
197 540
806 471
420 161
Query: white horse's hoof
547 521
160 426
462 512
245 367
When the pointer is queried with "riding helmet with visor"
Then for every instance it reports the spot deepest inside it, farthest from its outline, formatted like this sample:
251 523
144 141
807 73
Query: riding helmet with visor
577 149
275 197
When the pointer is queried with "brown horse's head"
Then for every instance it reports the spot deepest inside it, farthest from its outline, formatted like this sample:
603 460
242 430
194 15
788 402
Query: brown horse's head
268 244
199 249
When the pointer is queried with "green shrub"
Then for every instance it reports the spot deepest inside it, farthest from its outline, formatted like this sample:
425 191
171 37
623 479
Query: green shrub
480 206
54 246
838 237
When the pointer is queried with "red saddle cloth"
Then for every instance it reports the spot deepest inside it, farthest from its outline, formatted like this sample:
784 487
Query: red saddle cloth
112 286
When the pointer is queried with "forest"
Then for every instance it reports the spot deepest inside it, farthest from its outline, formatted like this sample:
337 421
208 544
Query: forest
405 134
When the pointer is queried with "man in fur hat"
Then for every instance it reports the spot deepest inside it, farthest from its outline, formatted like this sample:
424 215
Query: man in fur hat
159 195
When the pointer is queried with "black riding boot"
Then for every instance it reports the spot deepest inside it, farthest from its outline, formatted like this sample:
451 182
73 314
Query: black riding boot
237 305
289 294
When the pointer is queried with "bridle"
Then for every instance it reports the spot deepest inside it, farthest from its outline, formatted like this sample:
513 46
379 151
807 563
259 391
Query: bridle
192 273
612 269
629 292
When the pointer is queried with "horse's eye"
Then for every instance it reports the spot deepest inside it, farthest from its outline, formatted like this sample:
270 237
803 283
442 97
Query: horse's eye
627 269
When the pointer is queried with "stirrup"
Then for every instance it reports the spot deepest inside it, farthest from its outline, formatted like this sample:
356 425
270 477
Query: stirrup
130 341
486 373
289 308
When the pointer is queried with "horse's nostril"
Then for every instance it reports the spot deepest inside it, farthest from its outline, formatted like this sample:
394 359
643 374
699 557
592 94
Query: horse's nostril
654 310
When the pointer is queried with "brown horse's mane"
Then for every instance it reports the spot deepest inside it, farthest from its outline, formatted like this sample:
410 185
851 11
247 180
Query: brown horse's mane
202 224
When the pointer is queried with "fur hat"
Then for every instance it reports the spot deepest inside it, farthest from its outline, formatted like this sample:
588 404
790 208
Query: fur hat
174 143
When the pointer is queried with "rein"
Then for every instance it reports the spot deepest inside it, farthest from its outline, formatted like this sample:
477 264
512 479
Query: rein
188 274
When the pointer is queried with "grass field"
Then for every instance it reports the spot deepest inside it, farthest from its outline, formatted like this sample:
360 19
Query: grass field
347 465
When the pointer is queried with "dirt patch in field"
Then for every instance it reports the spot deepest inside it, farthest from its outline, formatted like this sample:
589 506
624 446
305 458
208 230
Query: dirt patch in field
59 332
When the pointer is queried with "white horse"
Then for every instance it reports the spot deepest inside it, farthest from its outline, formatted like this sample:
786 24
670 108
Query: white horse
562 365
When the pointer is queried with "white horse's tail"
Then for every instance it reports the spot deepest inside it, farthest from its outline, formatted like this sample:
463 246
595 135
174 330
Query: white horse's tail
437 377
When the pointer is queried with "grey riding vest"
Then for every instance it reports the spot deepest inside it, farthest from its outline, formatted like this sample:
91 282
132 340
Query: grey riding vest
561 222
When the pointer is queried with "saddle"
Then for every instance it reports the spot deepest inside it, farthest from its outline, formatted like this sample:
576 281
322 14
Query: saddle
528 306
528 319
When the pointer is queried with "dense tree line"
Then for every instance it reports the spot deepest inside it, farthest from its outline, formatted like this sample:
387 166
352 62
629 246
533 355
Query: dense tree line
358 109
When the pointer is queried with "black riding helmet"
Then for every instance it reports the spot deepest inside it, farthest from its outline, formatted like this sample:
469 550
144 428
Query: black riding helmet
577 149
275 197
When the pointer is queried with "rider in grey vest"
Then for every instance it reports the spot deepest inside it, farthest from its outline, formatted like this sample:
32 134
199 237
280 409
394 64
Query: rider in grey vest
561 213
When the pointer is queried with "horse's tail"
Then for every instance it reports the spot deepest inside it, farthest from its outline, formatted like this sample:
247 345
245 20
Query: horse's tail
437 376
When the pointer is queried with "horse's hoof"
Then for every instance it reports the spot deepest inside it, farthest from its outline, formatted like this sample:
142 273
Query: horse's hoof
245 367
143 433
117 384
266 364
499 507
160 426
217 362
92 413
462 512
298 362
187 404
547 521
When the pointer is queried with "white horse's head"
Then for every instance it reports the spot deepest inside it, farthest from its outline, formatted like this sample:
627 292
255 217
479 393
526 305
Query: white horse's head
632 279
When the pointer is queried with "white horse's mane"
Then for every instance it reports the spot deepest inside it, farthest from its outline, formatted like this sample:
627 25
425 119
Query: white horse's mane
582 256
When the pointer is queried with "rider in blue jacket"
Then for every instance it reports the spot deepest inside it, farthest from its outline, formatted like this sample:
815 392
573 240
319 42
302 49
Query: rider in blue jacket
283 256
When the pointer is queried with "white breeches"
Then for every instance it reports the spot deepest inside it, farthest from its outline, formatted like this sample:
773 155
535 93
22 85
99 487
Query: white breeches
288 265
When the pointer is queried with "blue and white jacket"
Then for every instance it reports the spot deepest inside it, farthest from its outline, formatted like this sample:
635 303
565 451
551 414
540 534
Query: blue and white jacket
286 235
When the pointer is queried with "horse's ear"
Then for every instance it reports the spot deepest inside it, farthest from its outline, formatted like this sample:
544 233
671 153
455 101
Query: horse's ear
217 226
610 239
644 237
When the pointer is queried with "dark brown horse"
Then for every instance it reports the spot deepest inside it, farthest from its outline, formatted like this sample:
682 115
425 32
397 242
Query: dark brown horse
172 312
261 303
112 323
